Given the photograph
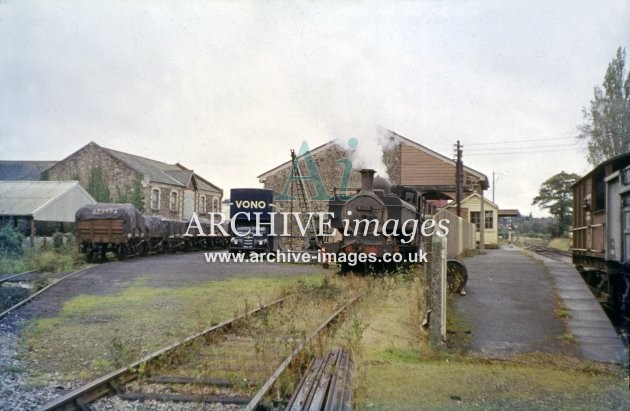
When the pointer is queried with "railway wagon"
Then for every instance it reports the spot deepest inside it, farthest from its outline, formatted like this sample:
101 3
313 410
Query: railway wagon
601 232
121 229
105 227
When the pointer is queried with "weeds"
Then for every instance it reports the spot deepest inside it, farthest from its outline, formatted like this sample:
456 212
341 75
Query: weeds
64 259
568 338
121 353
326 290
563 312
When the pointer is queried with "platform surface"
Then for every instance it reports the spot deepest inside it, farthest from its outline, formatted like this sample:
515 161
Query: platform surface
511 303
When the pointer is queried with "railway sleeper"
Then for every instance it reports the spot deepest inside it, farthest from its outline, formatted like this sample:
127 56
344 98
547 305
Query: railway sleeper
326 384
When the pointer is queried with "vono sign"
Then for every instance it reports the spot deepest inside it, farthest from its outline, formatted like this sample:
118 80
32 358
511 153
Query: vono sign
251 204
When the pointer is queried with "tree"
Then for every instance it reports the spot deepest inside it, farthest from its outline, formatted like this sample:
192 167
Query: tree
97 186
607 122
555 195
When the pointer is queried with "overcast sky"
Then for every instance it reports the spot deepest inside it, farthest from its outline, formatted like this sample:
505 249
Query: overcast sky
227 88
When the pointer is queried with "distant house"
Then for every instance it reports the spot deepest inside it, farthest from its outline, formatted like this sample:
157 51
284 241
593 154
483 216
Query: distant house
170 190
23 170
471 211
27 204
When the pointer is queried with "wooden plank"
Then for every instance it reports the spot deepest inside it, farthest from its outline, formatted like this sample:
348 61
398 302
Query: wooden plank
217 382
154 396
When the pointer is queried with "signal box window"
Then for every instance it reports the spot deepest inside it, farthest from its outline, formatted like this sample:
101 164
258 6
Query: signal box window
475 218
489 219
155 199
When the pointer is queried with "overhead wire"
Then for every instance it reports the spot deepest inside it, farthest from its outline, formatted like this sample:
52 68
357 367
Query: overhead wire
519 141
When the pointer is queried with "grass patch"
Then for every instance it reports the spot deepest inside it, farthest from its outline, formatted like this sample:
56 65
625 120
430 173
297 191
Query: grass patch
106 331
434 384
399 371
560 243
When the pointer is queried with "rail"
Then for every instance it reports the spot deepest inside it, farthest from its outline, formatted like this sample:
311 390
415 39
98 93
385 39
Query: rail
26 300
10 277
77 399
276 374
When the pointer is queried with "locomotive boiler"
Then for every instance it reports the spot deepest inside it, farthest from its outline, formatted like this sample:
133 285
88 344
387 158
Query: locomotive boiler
378 226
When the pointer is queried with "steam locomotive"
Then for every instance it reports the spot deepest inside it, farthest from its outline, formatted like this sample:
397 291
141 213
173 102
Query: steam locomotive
375 224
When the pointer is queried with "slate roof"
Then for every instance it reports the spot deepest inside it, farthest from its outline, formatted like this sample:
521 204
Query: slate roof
156 170
161 172
183 176
23 170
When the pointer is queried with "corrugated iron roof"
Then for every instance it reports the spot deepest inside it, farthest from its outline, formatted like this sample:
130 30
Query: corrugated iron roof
23 170
28 198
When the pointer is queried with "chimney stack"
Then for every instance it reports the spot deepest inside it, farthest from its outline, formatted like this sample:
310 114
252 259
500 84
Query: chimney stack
367 179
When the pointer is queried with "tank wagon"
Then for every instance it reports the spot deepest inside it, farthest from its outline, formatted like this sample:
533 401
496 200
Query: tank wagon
123 230
601 232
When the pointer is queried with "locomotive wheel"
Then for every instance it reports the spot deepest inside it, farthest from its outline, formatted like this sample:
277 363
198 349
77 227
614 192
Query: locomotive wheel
456 276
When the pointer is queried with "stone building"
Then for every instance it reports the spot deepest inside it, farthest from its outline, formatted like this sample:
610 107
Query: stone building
170 190
407 163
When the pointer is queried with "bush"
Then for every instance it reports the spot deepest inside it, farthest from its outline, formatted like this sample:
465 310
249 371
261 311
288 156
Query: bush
67 259
57 239
10 242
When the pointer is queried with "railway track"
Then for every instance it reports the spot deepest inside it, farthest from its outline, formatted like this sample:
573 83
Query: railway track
36 294
552 253
13 277
254 358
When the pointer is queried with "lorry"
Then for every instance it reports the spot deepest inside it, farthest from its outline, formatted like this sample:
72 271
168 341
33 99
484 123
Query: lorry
247 206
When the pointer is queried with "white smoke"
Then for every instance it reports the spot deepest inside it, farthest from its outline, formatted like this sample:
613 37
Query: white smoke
366 149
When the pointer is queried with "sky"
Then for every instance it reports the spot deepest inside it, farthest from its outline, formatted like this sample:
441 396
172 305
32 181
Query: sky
227 88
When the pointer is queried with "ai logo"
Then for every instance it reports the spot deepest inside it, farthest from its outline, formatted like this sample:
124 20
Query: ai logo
321 194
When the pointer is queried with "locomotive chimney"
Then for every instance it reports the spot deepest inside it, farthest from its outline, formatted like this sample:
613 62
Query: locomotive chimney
367 179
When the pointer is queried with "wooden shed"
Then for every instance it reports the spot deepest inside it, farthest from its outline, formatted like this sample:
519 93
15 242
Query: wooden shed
471 211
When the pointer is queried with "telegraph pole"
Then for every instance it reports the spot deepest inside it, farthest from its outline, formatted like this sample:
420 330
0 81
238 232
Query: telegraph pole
493 183
459 174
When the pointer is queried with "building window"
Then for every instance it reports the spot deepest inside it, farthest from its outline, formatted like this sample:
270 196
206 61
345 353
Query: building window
489 219
475 218
173 200
202 204
155 199
215 205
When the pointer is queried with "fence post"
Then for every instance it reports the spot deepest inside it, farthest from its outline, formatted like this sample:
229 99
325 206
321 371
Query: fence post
436 273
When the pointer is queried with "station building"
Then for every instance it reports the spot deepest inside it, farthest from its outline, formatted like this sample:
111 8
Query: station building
407 163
